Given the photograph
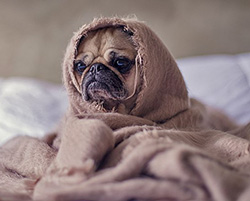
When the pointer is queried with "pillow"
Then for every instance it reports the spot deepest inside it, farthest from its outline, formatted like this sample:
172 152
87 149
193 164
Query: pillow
222 81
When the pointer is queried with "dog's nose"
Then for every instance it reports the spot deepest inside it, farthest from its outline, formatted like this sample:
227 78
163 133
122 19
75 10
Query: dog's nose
97 67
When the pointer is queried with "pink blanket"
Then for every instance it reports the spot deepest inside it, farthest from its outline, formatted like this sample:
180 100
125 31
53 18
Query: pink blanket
168 147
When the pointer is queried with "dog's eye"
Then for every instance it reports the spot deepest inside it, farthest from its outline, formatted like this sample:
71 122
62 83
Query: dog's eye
122 64
79 66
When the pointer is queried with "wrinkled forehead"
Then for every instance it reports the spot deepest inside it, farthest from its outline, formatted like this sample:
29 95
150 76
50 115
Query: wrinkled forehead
106 38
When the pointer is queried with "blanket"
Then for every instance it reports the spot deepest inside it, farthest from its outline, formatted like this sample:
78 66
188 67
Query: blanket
168 147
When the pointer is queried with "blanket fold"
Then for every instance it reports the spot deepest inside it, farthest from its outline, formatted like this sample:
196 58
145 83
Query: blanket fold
153 167
166 146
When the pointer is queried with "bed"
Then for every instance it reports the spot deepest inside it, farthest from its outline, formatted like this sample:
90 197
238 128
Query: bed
33 107
173 160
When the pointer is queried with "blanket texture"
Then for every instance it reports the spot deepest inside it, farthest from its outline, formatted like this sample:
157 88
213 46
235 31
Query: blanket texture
166 147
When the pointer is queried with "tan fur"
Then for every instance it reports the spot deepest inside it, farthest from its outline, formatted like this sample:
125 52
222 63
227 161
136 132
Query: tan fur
96 48
162 145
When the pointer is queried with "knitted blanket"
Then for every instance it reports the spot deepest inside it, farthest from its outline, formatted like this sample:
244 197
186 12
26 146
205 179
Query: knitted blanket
167 147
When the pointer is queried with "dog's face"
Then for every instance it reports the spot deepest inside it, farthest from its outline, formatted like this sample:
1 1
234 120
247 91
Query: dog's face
105 67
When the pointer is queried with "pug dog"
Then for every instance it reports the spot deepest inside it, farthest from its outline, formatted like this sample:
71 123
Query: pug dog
105 67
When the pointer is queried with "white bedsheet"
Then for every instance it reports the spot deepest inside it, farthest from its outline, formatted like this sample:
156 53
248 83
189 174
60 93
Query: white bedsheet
29 107
222 81
32 107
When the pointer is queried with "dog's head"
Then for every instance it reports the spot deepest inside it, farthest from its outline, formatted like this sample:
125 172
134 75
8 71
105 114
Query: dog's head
105 67
121 64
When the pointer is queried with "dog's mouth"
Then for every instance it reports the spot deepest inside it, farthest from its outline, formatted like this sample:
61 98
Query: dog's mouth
105 88
98 91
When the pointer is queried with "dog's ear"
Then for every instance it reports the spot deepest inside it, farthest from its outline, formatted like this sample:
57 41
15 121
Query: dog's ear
126 30
78 44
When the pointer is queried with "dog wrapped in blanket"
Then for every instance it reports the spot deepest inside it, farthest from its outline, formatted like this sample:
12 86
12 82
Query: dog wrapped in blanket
130 132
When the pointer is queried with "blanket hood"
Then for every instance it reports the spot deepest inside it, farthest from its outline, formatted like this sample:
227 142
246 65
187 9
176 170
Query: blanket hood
162 92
